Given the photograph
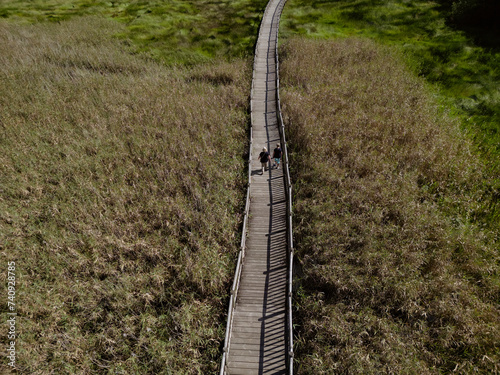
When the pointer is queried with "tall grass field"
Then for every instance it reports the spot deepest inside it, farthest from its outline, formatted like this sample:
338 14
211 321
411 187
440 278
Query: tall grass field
123 148
460 62
397 205
393 275
121 191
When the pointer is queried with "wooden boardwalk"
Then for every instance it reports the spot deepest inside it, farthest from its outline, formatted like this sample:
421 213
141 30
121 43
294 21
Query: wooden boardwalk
258 342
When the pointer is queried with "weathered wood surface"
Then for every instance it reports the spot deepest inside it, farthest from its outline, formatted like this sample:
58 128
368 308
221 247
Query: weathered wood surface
258 338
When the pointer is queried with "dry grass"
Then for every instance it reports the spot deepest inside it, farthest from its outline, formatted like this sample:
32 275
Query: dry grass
394 276
121 187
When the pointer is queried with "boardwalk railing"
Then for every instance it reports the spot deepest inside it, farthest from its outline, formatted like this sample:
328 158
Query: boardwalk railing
288 187
241 255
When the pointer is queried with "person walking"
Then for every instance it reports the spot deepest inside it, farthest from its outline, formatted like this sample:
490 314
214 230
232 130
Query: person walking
264 158
277 156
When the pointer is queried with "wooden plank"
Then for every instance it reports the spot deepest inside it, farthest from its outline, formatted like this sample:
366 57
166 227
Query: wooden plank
256 338
254 365
260 294
249 356
264 290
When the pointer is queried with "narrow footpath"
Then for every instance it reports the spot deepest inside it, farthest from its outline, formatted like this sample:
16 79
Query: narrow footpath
258 343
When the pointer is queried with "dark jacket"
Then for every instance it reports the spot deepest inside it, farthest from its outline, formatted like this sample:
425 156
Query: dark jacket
264 157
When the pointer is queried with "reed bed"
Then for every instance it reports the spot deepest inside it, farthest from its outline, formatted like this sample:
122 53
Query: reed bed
122 186
394 274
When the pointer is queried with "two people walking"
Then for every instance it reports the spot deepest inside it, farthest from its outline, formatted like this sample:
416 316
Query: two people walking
265 157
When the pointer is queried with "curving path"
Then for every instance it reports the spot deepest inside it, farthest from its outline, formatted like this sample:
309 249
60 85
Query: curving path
258 338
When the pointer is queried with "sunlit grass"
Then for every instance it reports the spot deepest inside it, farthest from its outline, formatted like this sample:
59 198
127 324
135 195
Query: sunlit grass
176 32
464 73
395 273
121 184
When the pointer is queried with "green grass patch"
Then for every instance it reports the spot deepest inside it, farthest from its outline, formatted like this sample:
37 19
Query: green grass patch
175 32
122 186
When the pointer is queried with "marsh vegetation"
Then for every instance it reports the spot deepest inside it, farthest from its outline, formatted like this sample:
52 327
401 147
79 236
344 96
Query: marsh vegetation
122 179
394 273
461 64
122 183
174 32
